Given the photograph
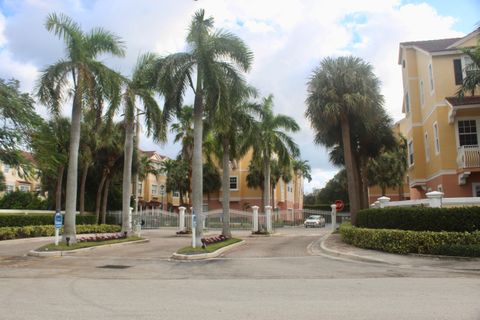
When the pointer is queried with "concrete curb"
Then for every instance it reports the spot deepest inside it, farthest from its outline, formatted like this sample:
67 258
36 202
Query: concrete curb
34 253
203 256
350 256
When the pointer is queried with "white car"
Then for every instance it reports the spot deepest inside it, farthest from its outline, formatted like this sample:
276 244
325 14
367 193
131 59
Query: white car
314 221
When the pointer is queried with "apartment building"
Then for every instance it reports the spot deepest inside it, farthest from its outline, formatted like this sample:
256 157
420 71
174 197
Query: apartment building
442 131
16 180
286 195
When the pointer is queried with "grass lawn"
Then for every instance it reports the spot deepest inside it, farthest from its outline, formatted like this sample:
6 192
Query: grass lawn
210 248
63 246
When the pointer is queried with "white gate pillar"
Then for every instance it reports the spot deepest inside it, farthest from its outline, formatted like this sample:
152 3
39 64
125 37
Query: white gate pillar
435 199
383 201
268 218
255 219
334 216
181 224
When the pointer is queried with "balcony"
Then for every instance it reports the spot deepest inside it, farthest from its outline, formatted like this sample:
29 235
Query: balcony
468 157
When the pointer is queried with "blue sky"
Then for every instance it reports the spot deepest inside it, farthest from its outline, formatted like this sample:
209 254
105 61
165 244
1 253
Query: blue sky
288 38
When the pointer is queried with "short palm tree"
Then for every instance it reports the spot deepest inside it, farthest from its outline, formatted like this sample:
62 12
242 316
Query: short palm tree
471 82
271 141
81 73
341 92
213 56
139 88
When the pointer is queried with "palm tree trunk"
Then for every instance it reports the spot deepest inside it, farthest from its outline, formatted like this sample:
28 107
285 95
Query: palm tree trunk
135 177
197 167
127 177
58 188
266 182
98 199
351 168
105 201
363 181
71 197
226 189
82 187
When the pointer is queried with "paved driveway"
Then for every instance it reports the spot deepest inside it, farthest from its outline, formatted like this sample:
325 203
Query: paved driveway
267 278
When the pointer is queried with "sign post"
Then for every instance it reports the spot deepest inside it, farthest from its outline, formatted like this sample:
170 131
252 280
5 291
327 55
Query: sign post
194 228
58 220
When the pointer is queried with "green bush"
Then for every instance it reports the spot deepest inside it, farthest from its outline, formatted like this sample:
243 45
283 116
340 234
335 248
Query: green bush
7 233
472 250
22 200
458 219
39 219
405 241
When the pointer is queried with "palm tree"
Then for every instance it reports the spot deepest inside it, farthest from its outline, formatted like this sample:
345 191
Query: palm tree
231 126
340 92
139 88
80 68
214 56
271 141
471 82
302 168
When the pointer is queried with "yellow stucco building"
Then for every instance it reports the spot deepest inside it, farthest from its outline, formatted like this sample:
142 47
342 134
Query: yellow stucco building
442 132
15 180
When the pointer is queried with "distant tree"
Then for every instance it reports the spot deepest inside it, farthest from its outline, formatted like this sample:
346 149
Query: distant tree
177 176
211 179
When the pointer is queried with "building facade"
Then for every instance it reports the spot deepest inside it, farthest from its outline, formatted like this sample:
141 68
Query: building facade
16 180
442 132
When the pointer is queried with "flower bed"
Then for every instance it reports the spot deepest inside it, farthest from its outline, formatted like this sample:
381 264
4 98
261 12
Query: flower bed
102 237
212 240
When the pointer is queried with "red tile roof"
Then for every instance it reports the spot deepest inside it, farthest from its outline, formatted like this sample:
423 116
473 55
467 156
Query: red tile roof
454 101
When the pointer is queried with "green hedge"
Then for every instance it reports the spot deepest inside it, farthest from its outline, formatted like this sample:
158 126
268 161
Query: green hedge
404 241
458 219
39 220
22 200
7 233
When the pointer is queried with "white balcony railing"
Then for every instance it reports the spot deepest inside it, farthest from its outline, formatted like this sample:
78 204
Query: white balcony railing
468 157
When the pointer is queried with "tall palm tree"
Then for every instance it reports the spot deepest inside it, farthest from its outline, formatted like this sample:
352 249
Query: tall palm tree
343 91
139 88
81 69
213 56
230 126
271 140
302 168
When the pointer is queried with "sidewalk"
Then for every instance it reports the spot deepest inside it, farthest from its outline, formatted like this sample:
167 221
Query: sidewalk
332 245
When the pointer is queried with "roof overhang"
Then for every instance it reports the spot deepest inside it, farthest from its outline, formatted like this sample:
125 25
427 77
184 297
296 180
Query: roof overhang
456 104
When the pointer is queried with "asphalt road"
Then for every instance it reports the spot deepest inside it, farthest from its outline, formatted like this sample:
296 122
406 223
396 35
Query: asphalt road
278 277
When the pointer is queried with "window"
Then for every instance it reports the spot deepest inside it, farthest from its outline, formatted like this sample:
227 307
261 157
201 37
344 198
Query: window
176 194
467 132
430 77
139 188
9 188
154 189
407 103
24 188
468 66
457 71
436 139
233 183
422 95
6 168
427 148
476 189
410 153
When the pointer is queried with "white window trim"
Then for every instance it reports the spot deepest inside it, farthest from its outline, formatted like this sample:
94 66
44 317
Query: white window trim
9 185
457 137
436 138
229 183
412 163
422 93
431 78
464 64
156 189
474 185
175 194
427 147
6 168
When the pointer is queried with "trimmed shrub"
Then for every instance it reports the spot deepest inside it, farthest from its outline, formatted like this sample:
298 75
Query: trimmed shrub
39 220
457 219
22 200
405 241
7 233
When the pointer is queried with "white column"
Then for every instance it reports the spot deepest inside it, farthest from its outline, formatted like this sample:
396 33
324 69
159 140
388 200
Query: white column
255 219
383 201
334 216
268 218
130 218
181 224
435 199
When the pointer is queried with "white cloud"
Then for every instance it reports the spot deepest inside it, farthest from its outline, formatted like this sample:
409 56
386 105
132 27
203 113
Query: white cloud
289 39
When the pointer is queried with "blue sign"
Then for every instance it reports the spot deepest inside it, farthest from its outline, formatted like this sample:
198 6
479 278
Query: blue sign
58 220
194 220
